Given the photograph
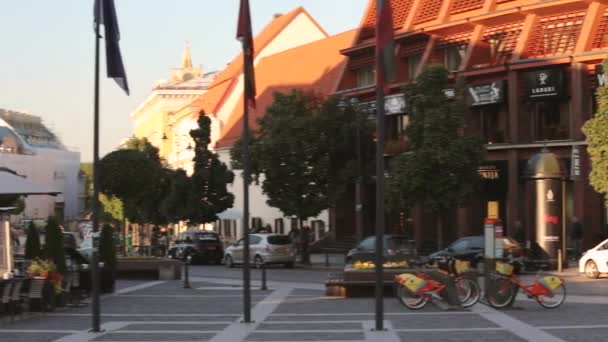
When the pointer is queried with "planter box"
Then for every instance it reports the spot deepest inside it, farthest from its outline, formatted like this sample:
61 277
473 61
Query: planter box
154 268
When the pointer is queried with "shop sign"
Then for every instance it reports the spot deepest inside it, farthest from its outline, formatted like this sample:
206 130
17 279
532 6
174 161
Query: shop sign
599 74
393 104
489 172
575 164
545 83
484 94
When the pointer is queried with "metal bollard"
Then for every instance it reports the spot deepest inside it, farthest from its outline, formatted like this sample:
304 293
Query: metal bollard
264 288
326 259
559 261
186 276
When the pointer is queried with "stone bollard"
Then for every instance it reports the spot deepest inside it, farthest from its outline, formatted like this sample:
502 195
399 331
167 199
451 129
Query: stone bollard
186 276
264 288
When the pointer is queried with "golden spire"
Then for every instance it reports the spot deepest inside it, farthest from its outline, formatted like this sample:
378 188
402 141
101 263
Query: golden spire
186 57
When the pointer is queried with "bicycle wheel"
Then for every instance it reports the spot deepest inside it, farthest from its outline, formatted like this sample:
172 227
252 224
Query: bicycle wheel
553 300
469 292
411 300
501 292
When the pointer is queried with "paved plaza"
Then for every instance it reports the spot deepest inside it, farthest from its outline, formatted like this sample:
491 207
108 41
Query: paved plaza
298 310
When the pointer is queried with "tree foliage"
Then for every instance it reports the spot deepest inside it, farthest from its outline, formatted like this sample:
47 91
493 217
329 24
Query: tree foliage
440 171
175 205
32 242
209 193
127 173
53 247
596 132
304 152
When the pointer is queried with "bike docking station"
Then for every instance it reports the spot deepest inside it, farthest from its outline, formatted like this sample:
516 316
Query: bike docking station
493 251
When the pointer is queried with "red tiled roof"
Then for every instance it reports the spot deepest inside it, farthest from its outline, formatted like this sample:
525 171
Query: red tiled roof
213 98
319 68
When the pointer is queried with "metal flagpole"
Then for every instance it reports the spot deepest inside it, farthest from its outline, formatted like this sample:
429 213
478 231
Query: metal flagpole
95 307
379 206
246 270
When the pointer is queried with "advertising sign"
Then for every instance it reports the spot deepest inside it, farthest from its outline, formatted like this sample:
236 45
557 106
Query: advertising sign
484 94
575 164
546 83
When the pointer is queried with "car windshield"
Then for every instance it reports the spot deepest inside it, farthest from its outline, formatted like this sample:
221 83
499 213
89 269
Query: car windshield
279 240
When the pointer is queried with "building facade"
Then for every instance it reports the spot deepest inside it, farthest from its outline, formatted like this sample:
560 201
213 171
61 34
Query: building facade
30 149
530 70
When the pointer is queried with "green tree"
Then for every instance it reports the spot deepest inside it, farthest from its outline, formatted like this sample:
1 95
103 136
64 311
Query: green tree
439 173
53 248
127 173
173 205
596 132
32 242
112 208
209 192
87 170
304 152
107 247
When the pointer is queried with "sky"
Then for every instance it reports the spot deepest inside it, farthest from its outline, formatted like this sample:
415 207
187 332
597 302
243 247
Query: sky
47 54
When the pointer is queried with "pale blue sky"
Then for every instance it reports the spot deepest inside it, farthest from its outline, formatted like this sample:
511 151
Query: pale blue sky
47 47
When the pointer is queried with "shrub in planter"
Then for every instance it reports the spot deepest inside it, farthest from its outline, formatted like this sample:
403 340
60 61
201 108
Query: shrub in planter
107 255
53 248
32 244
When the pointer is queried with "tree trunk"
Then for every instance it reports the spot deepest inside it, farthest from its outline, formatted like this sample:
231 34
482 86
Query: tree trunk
439 231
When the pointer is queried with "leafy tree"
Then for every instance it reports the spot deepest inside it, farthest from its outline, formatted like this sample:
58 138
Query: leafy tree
209 193
127 173
440 171
87 170
304 152
173 207
112 208
596 131
53 248
107 247
32 242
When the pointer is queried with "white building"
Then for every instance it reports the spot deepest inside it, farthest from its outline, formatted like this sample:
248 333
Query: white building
30 149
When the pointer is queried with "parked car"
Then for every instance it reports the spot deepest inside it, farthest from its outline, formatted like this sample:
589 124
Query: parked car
472 248
396 248
197 246
264 249
594 261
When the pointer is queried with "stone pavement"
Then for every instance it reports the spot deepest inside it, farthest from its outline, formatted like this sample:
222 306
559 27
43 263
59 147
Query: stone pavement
298 311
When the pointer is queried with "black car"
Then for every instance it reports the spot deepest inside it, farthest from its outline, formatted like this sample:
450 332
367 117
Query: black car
472 248
396 248
198 246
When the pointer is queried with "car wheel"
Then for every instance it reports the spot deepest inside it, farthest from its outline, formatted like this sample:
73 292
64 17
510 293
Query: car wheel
258 261
591 270
228 261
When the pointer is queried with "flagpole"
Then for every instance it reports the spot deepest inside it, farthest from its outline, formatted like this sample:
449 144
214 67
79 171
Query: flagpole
379 206
246 270
95 307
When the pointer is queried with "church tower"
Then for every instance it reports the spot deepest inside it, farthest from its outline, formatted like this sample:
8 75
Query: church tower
186 71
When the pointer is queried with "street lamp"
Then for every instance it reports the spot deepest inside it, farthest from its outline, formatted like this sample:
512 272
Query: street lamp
359 180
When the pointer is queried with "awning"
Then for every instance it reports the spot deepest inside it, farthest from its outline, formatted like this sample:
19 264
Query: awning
231 214
12 184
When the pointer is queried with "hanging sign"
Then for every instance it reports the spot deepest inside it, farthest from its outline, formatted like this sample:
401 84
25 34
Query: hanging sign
545 83
575 164
484 94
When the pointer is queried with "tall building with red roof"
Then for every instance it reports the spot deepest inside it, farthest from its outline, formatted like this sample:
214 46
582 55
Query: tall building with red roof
530 70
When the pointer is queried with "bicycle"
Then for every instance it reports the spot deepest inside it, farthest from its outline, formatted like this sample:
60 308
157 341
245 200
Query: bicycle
548 291
415 290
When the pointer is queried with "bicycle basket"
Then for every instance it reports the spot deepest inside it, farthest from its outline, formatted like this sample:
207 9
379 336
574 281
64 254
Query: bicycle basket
550 282
462 266
504 268
410 281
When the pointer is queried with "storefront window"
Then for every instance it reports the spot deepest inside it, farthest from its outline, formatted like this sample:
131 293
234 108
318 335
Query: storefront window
366 76
493 124
453 57
551 120
412 65
396 126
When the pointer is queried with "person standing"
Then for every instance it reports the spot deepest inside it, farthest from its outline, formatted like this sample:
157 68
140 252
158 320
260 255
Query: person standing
304 241
576 235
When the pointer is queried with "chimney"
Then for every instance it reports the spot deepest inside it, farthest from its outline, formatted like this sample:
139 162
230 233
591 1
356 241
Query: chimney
277 15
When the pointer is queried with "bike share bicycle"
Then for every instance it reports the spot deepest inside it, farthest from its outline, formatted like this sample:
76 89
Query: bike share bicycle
548 291
416 289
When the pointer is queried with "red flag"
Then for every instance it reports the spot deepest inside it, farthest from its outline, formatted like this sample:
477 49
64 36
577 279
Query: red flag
385 44
243 33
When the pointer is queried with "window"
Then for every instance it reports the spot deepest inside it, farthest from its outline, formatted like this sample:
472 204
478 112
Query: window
279 240
396 126
453 57
493 124
254 240
460 245
412 65
366 76
551 120
368 244
278 226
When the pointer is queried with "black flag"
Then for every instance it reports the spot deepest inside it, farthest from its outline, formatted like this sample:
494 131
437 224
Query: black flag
105 14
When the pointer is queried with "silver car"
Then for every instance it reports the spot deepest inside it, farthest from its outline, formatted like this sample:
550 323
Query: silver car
264 249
